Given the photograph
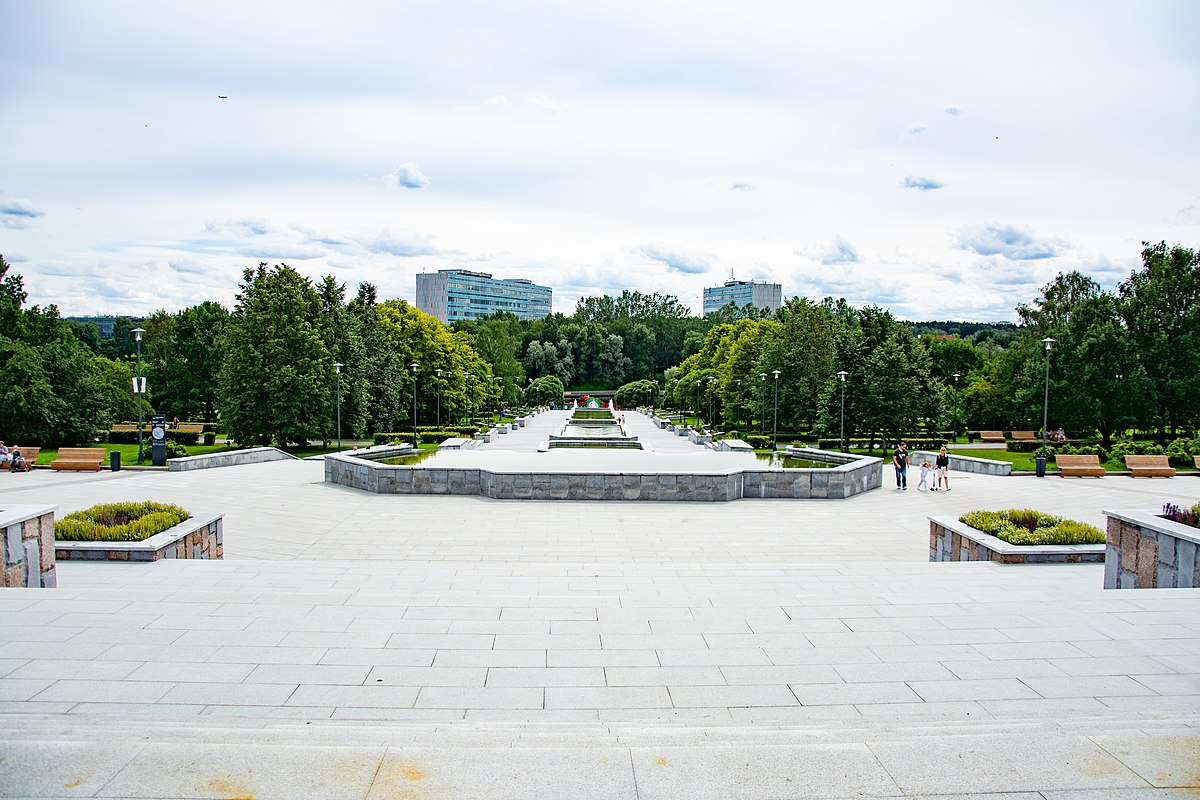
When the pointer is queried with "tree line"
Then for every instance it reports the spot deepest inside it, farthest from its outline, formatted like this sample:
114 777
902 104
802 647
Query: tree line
268 368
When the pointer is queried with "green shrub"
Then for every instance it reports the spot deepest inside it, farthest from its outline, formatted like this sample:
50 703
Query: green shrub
1025 526
1015 446
861 443
1181 451
210 439
118 522
131 437
1083 450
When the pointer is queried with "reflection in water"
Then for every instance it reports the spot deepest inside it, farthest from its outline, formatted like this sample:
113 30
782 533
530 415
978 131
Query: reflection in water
778 459
408 461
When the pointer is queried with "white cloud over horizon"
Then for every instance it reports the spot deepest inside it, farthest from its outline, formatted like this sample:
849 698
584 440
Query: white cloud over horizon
759 139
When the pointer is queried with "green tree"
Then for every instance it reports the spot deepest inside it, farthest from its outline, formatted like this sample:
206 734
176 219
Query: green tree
1161 304
275 376
194 364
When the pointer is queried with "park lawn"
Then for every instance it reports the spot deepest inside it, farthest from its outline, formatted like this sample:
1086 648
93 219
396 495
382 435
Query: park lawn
129 452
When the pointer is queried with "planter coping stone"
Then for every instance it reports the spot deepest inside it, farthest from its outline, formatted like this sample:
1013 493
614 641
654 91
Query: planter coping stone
11 514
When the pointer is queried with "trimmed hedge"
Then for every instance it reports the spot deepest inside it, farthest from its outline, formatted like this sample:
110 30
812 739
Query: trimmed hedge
1024 527
119 522
131 437
428 435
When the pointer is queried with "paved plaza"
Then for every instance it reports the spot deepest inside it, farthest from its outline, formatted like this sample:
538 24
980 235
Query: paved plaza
354 645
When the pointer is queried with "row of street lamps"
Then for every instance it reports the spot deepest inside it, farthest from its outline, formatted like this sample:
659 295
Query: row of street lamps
337 368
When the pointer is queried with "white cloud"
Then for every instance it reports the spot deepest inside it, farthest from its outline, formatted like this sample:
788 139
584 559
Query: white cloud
404 245
408 176
17 214
916 129
543 102
952 111
677 260
921 184
1008 241
839 251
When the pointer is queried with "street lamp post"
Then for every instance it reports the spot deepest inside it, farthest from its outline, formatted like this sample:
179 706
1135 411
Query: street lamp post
499 379
762 417
712 379
955 428
775 428
337 374
415 367
1041 459
697 403
842 374
470 399
438 372
141 386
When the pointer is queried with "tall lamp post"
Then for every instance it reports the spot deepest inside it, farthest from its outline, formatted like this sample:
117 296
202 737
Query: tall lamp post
337 374
499 379
416 443
842 374
712 379
438 372
697 403
775 428
955 430
1041 459
141 386
470 399
762 417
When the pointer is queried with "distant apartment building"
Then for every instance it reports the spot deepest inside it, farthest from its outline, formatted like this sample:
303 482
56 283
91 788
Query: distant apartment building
767 296
104 323
454 294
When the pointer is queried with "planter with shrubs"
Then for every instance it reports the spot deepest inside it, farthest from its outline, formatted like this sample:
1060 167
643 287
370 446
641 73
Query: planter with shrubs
137 531
1015 536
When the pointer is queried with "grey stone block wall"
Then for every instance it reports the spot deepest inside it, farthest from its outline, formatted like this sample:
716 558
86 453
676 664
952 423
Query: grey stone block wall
979 466
1146 551
29 558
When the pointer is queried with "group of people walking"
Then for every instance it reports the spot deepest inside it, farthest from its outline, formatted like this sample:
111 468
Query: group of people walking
940 470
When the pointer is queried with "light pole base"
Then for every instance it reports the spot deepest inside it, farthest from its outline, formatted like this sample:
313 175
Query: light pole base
1041 466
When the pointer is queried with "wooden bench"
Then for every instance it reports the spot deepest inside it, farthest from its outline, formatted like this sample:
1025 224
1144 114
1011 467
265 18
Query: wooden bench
30 455
1079 466
79 458
1024 436
1149 466
992 437
1197 459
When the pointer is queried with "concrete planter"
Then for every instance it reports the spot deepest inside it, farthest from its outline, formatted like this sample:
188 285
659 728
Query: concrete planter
28 546
200 537
1146 551
951 540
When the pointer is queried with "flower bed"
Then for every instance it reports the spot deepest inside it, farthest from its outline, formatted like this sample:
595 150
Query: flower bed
118 522
200 537
1026 527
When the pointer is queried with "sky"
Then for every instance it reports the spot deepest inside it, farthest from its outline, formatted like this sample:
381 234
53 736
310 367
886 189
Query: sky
941 159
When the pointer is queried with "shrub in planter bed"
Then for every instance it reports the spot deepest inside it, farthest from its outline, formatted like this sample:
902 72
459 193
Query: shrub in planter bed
1024 526
131 437
1082 450
1184 516
118 522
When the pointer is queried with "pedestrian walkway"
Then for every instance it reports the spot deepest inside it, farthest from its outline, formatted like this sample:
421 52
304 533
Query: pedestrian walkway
382 646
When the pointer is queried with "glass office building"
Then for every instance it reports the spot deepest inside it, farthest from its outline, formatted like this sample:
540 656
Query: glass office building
767 296
454 294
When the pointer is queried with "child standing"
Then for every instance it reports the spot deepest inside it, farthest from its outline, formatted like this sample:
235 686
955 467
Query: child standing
925 470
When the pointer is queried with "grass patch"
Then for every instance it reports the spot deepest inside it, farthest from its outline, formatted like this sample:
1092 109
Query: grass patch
1024 526
118 522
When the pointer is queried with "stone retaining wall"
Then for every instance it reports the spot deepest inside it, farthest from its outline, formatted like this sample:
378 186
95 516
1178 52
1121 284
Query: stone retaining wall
1146 551
842 481
232 458
28 546
980 466
951 540
201 537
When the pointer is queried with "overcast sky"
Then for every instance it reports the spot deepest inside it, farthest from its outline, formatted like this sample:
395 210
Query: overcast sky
941 159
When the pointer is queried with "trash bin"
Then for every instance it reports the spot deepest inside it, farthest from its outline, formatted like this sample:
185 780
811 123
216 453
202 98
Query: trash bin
114 460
